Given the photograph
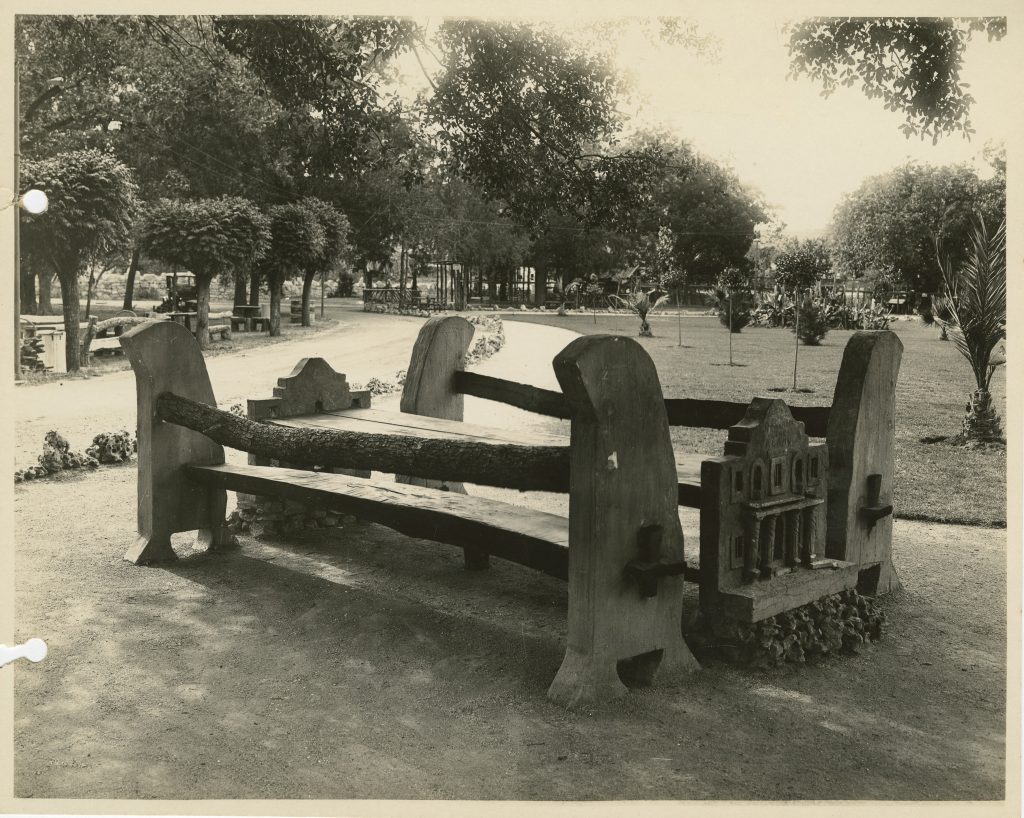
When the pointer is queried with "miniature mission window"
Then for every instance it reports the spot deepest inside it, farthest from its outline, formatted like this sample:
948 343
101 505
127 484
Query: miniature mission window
798 474
778 474
738 547
814 467
756 481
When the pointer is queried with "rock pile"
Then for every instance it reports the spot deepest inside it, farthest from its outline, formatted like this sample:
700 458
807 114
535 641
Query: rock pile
840 623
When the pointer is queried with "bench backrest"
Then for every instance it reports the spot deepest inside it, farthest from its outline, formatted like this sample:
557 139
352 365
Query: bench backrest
858 427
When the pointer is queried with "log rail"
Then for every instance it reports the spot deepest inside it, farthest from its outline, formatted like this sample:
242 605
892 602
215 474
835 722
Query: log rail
504 465
704 414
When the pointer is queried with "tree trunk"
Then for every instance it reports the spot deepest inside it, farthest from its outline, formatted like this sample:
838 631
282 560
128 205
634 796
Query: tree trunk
129 285
70 294
275 307
541 284
203 310
28 291
307 292
45 288
91 331
254 288
529 468
240 289
981 423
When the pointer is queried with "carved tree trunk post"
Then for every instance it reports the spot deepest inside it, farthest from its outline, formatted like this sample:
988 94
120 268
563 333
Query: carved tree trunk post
861 431
439 352
165 357
623 480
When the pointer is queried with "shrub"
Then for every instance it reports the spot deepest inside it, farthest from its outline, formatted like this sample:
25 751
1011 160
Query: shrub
57 456
872 317
112 447
741 312
774 310
812 326
346 285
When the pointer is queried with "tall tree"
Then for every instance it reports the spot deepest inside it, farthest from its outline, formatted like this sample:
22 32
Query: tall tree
889 225
93 202
207 237
296 244
334 227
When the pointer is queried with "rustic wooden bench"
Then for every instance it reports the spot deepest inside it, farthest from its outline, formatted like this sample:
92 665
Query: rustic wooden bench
621 547
623 532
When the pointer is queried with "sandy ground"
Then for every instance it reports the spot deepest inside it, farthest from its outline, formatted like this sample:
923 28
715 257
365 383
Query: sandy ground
363 664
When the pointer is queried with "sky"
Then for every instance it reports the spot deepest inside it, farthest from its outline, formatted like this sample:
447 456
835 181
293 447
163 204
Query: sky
803 151
800 150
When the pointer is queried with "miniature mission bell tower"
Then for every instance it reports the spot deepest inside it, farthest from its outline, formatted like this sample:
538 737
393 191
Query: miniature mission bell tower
762 530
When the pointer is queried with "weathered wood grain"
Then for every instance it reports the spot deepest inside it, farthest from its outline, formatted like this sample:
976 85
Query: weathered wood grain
380 421
529 468
521 395
706 414
535 539
438 354
861 439
623 480
720 414
165 356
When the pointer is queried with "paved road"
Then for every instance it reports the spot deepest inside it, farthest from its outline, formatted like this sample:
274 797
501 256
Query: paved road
362 346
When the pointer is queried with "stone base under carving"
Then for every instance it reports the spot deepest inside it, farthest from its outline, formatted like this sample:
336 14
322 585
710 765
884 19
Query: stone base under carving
786 590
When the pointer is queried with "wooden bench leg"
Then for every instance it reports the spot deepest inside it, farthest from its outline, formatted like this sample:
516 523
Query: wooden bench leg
439 352
861 431
166 358
625 540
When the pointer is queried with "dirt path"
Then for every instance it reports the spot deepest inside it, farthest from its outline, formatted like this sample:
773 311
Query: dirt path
363 664
364 345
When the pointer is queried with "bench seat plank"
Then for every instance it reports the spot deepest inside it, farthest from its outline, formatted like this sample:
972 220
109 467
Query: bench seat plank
536 539
377 421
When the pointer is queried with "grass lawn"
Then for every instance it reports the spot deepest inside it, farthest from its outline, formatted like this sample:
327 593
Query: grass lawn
933 481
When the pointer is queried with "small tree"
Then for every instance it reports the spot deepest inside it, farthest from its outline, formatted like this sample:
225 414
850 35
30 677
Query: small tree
641 304
732 299
975 295
93 201
206 237
296 245
798 267
334 226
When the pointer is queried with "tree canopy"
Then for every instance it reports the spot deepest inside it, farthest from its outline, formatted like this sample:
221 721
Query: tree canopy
800 264
889 225
93 204
911 63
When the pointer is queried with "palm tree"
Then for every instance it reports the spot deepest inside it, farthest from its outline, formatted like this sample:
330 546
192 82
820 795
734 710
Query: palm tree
975 296
641 304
